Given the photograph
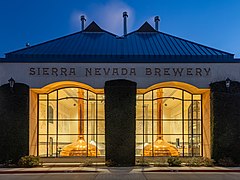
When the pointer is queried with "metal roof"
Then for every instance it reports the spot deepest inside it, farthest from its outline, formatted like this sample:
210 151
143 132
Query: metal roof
97 45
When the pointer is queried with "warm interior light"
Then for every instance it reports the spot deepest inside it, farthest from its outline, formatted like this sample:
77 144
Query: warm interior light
160 148
80 148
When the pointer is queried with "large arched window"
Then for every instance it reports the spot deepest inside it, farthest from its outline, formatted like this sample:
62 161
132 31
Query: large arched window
73 126
168 123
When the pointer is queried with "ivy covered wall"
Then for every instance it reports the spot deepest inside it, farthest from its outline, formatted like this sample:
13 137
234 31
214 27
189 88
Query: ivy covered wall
225 121
14 122
120 113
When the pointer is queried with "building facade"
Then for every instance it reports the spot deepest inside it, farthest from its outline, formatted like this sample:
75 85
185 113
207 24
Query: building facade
66 100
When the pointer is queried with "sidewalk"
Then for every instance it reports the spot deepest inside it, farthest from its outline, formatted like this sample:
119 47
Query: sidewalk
104 169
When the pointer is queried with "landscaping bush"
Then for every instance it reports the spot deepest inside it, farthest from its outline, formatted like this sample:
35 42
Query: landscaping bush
29 161
174 162
200 161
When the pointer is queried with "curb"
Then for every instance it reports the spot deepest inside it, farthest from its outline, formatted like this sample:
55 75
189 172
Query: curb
143 171
44 172
194 170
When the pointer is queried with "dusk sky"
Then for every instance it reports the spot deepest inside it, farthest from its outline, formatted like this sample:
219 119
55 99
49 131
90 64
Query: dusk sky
214 23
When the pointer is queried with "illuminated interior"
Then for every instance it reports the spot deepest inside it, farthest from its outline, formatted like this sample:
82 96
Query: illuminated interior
71 122
168 123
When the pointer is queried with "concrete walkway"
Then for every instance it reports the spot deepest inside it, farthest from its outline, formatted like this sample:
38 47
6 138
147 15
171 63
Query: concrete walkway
104 169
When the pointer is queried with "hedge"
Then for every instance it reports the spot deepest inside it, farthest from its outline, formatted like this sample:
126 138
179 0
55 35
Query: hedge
14 122
225 121
120 113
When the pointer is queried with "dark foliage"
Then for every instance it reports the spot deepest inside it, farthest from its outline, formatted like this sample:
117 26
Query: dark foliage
14 122
225 121
120 111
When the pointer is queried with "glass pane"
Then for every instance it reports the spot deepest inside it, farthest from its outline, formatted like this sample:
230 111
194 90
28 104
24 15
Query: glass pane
196 97
156 126
68 92
197 145
69 109
43 97
187 96
148 110
139 110
172 127
42 148
188 145
158 94
52 117
148 96
147 126
172 108
43 127
51 145
101 110
139 127
52 96
172 92
43 110
196 127
64 140
101 97
68 127
148 145
101 127
91 96
101 144
187 114
196 110
92 137
139 97
156 106
92 110
91 127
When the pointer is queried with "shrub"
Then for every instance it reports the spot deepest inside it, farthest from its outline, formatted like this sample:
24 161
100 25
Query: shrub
174 161
87 163
142 163
111 163
29 161
208 162
200 161
226 162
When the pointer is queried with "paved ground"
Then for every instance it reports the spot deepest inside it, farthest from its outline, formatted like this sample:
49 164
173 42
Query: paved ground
123 176
121 173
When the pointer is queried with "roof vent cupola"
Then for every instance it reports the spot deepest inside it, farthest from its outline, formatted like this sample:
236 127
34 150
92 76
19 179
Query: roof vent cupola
156 20
125 15
83 19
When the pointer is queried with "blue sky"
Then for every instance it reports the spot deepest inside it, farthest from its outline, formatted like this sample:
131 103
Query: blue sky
215 23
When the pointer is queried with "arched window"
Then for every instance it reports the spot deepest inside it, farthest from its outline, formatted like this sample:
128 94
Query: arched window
168 123
75 125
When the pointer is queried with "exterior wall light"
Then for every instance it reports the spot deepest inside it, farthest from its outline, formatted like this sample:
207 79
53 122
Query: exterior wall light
11 82
228 83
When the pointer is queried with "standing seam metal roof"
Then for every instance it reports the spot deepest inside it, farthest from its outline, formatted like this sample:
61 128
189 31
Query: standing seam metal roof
97 45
